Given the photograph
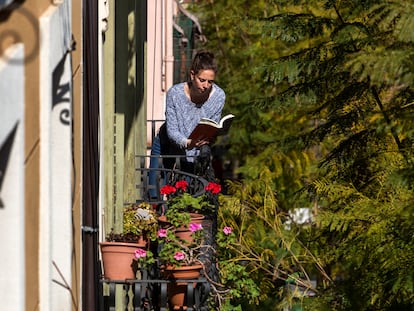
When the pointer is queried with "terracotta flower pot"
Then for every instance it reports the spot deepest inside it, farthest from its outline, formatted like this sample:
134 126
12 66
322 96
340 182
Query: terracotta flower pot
118 260
197 218
184 233
177 291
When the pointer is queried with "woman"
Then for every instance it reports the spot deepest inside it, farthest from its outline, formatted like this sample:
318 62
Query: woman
186 104
190 101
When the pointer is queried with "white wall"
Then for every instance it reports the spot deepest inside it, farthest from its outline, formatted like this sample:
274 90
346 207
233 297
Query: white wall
12 192
56 159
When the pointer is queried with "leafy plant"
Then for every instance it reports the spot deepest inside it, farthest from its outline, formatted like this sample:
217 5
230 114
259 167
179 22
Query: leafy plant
177 252
144 257
139 220
235 281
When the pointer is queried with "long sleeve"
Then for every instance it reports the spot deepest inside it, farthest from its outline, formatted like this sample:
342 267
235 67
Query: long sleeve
182 115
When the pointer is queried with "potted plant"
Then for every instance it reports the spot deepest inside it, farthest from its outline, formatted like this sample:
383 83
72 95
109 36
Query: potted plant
181 236
184 212
118 251
180 259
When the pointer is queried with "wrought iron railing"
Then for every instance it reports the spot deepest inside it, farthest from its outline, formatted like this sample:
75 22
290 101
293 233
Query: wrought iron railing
152 294
149 190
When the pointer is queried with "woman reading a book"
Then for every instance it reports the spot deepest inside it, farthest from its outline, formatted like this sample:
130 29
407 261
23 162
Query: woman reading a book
186 104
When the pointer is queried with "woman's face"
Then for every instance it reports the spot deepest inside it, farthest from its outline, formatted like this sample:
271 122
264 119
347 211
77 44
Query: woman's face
203 80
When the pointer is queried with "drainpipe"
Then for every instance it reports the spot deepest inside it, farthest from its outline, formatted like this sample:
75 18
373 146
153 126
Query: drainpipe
90 158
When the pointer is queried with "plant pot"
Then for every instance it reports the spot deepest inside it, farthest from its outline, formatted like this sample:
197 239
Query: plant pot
163 222
194 217
184 232
177 291
118 260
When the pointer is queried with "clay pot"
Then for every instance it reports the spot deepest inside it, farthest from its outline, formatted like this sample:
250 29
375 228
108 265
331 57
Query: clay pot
177 291
118 260
184 233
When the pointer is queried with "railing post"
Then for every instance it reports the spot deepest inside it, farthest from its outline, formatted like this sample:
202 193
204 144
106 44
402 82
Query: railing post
112 295
190 296
163 297
137 288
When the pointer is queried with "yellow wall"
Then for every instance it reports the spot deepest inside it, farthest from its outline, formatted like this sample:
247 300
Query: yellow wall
24 24
77 147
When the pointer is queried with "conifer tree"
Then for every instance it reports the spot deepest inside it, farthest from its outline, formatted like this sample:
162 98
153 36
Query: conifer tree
323 94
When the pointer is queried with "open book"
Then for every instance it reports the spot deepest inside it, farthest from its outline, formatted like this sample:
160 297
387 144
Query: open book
210 129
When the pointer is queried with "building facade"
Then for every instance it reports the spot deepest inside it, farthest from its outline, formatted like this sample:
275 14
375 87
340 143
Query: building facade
80 81
40 140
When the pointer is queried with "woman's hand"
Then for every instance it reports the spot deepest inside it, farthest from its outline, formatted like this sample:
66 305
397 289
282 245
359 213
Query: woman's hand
191 143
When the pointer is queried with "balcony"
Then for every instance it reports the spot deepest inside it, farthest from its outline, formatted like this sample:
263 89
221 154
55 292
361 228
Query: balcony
151 294
150 291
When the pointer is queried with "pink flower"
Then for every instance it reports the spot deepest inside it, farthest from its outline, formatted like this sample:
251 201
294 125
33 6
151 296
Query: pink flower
140 253
167 189
213 187
195 227
227 230
179 256
162 233
181 184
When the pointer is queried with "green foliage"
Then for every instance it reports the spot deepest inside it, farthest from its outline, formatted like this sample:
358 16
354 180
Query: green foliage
177 252
180 203
270 250
144 258
139 221
323 97
235 281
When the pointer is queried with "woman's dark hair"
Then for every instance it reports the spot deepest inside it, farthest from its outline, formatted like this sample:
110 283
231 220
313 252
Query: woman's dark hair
203 60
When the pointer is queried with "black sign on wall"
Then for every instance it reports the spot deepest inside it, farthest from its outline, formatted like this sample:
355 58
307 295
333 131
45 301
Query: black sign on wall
5 150
61 92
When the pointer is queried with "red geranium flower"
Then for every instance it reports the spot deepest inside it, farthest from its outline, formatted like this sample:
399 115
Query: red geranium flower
213 187
167 189
181 184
